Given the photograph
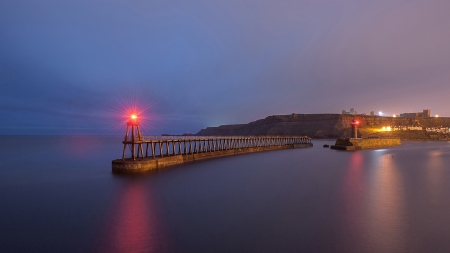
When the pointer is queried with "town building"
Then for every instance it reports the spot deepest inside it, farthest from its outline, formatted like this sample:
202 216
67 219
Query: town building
352 111
424 114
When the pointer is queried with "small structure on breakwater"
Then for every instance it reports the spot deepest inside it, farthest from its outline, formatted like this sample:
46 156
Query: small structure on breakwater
355 143
151 153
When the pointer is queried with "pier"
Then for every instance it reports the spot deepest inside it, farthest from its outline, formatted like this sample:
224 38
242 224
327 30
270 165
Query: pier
150 153
156 152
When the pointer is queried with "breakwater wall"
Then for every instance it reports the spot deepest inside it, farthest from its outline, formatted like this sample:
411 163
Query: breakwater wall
147 164
159 152
358 143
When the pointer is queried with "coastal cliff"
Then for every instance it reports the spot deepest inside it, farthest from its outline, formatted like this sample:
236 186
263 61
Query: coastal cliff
331 126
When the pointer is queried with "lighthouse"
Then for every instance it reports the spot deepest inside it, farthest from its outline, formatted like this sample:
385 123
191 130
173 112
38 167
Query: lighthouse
355 124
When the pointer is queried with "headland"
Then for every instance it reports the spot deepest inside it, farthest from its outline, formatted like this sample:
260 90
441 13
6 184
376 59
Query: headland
326 126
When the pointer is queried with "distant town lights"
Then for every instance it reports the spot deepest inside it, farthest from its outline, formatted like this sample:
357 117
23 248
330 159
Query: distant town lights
380 113
394 115
436 116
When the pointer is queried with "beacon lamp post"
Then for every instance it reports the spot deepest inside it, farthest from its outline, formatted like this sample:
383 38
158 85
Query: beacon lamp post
133 136
355 124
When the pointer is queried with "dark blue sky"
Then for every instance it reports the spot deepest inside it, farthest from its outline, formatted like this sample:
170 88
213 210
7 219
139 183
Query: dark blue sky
72 67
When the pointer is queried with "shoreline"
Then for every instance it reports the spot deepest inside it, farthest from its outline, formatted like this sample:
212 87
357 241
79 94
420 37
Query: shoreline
333 139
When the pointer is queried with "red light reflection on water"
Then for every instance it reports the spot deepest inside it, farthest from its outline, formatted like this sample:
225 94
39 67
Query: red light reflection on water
353 187
132 222
132 225
353 192
82 146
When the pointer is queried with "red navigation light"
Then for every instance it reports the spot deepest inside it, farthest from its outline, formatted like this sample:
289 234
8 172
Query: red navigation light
133 120
357 122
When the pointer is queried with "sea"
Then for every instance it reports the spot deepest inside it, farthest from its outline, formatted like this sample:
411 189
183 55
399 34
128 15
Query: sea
58 194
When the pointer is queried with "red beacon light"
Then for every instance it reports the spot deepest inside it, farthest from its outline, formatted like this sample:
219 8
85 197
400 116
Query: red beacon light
355 122
133 120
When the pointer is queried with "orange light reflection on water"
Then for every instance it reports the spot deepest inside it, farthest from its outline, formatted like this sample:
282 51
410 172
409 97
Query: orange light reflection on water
374 204
387 227
435 176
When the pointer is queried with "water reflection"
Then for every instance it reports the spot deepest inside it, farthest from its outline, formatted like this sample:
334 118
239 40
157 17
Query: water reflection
353 187
374 204
435 173
81 146
132 224
353 198
386 226
310 200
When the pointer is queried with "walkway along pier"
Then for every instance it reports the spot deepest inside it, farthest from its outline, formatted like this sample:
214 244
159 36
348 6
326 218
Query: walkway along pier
156 152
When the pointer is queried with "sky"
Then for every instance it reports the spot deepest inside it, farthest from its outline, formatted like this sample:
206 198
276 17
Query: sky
80 67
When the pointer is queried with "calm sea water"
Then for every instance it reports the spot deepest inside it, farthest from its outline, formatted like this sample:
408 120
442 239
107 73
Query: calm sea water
57 194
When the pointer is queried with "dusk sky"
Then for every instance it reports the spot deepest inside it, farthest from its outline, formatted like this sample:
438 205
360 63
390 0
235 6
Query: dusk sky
73 67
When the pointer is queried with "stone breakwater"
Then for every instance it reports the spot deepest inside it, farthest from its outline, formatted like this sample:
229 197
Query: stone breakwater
357 143
149 163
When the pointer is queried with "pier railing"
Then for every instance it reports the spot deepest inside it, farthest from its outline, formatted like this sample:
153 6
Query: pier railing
160 146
